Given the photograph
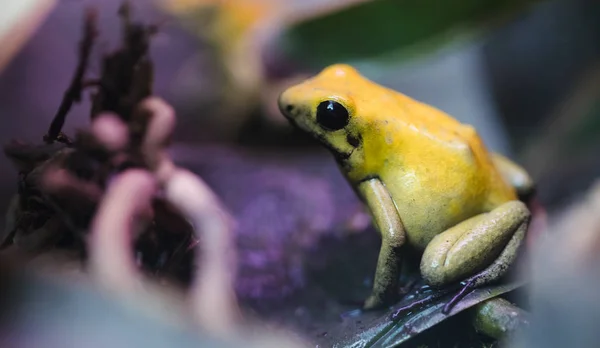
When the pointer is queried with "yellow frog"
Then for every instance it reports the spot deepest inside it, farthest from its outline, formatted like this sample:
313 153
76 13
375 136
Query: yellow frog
427 179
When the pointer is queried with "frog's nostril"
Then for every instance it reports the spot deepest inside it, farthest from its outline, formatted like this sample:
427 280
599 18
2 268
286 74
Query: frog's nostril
286 106
286 109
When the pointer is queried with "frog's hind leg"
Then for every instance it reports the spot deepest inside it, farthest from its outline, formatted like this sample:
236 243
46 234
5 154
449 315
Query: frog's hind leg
476 251
516 176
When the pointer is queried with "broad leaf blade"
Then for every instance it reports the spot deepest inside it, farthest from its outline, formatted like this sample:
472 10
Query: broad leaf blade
427 318
390 27
378 330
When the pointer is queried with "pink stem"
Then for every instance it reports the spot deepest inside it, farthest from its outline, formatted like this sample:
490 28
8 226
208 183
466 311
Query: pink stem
110 131
212 295
58 180
159 128
125 201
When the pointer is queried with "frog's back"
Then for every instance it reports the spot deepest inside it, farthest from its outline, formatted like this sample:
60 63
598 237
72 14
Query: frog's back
439 169
428 119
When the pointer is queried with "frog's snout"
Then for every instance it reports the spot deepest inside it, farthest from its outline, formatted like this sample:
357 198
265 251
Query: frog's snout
286 107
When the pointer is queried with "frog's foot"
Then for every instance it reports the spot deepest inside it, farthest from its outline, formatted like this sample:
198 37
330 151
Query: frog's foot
480 249
374 302
415 305
467 287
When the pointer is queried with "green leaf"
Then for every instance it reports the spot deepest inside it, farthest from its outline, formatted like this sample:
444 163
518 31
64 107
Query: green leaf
378 330
396 28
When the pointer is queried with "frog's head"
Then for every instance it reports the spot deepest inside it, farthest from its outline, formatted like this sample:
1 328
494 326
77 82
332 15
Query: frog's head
325 107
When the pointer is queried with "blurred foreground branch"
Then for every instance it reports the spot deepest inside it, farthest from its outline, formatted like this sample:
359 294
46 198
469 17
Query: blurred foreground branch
565 302
73 93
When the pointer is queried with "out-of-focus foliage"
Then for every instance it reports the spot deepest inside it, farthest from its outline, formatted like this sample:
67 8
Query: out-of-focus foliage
571 136
18 21
326 32
565 302
229 28
392 28
44 305
259 42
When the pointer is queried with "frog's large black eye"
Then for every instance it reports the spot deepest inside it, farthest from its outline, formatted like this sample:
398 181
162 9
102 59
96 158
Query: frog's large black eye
332 115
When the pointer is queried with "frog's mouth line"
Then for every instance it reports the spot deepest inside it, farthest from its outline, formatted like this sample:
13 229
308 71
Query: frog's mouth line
337 154
342 156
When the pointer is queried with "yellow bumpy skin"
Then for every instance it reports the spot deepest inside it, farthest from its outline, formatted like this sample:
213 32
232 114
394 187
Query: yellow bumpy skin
428 180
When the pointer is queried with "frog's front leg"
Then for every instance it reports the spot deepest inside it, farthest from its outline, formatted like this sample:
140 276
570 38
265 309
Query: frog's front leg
387 221
478 250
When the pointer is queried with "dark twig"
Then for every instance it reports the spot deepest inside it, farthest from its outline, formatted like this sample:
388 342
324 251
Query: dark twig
73 93
127 73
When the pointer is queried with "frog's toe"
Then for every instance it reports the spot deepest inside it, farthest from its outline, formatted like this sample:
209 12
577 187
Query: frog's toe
375 302
372 302
468 286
